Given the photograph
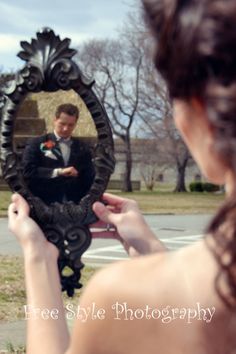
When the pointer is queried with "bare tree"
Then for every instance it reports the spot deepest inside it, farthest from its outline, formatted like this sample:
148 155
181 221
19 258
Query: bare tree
153 162
116 66
178 152
131 91
160 125
156 111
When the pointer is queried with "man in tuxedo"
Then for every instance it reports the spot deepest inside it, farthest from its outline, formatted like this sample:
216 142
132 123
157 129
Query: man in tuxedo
58 167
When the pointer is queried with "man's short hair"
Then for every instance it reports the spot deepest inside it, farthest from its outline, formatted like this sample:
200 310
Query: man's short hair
67 108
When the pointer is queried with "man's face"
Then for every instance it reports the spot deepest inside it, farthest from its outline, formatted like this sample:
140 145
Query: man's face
64 125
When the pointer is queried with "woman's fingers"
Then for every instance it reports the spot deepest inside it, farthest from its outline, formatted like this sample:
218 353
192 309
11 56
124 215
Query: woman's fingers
113 199
104 214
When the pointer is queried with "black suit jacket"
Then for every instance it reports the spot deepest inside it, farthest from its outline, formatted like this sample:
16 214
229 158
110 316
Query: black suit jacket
39 162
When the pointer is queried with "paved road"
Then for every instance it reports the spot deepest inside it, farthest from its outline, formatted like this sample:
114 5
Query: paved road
174 230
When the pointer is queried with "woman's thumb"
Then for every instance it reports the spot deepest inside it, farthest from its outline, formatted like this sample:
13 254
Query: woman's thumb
103 213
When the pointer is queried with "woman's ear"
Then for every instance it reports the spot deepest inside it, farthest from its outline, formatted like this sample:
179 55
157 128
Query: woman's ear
191 119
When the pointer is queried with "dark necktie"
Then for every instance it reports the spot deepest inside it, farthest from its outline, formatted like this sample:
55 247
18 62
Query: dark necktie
65 148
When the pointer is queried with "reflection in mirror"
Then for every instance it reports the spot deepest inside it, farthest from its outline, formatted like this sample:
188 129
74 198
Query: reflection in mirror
49 67
54 137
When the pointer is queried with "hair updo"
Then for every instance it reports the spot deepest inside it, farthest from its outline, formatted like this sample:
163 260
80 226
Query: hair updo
196 55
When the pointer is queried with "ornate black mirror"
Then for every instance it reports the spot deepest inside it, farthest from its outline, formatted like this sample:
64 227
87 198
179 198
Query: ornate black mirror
49 67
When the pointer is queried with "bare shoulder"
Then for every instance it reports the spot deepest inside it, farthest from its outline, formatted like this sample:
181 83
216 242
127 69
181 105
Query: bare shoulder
131 287
127 280
100 307
126 276
137 275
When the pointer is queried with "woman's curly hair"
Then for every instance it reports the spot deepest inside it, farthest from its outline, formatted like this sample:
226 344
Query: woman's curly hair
196 55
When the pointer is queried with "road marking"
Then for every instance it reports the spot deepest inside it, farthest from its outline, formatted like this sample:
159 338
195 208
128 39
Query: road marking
104 249
186 237
173 243
171 229
104 257
177 241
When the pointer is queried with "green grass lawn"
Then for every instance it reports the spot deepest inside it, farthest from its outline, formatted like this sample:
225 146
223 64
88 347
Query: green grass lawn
176 203
13 296
162 201
12 288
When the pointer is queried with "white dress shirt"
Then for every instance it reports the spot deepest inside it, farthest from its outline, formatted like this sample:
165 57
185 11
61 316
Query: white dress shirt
65 147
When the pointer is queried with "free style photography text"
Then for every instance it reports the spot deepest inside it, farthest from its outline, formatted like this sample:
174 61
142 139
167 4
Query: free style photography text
122 311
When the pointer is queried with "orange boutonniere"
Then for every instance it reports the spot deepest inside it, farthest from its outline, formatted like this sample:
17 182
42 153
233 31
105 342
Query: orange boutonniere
47 145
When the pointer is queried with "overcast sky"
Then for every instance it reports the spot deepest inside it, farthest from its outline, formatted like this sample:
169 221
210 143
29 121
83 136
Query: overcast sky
76 19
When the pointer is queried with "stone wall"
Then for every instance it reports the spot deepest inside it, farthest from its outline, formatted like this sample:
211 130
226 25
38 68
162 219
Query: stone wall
47 103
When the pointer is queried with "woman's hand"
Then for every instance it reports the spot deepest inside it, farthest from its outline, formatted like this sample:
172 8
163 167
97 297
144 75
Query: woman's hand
28 233
129 226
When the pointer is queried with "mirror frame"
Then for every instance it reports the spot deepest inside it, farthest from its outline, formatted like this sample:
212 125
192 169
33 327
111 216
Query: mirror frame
49 67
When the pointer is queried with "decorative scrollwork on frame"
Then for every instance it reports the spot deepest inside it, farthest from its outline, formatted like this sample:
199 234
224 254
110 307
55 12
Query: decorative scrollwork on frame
49 62
50 67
